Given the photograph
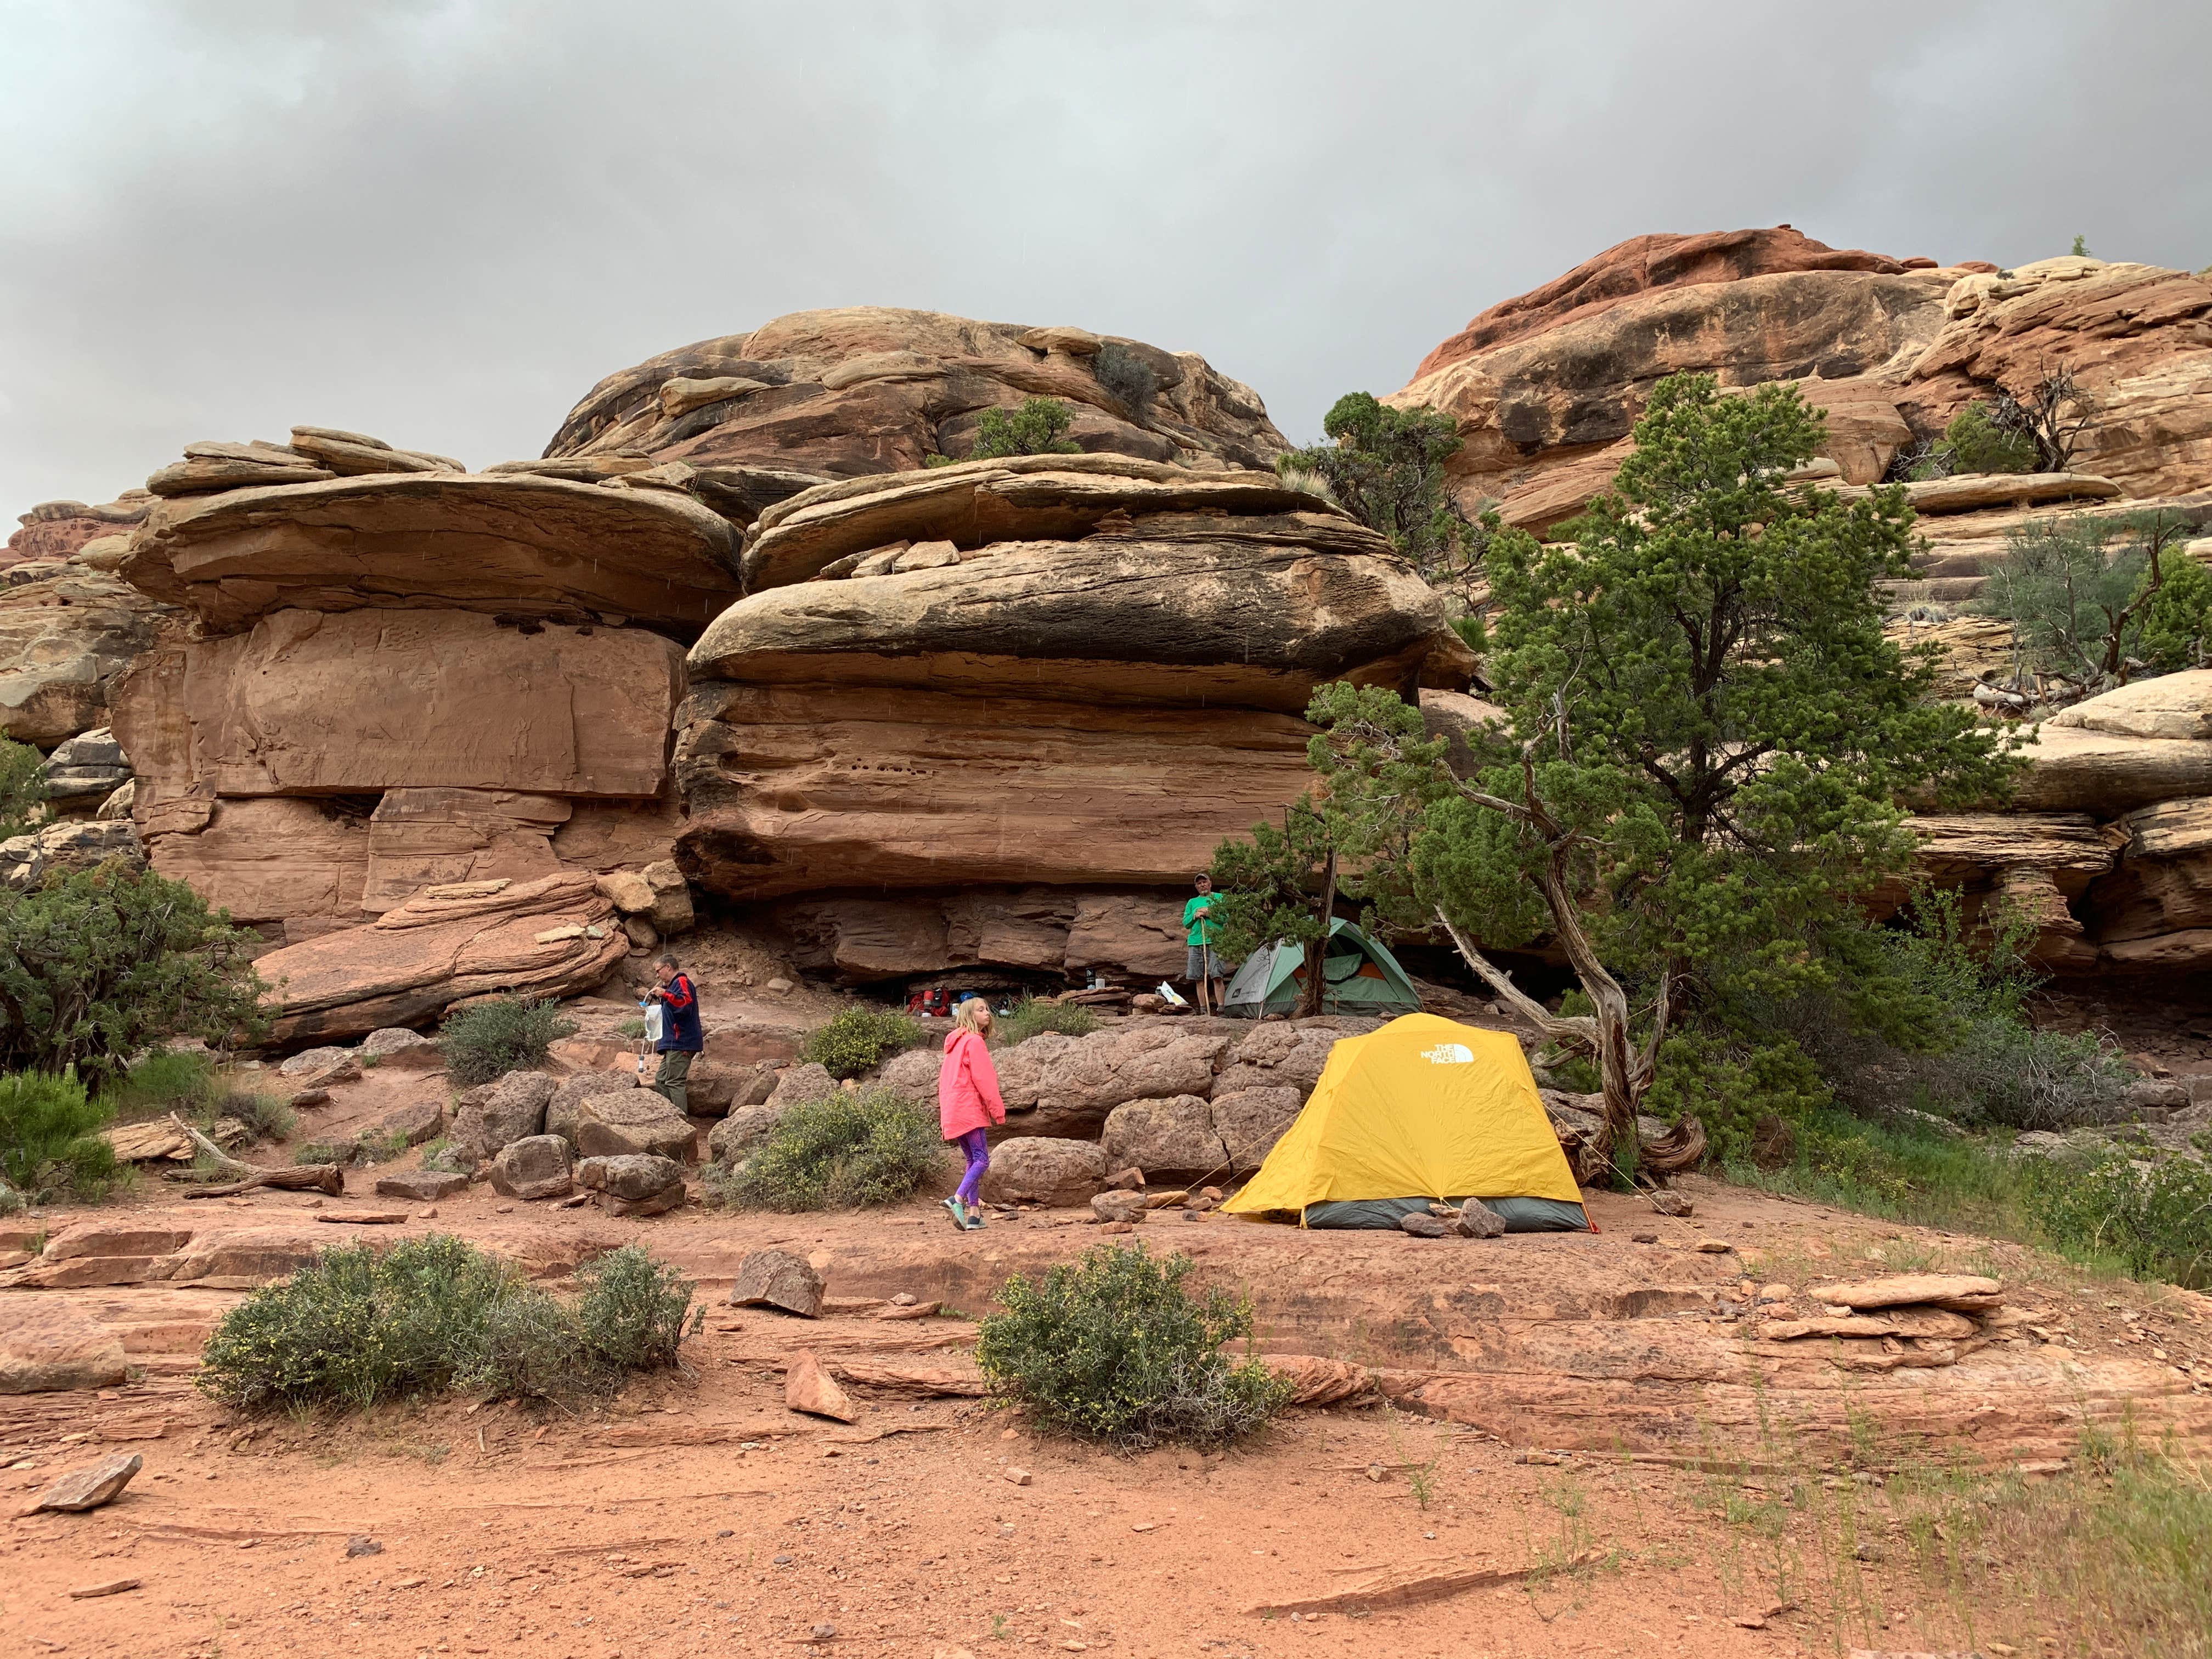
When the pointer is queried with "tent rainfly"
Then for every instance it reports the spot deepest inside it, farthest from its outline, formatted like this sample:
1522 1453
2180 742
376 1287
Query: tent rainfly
1424 1108
1360 976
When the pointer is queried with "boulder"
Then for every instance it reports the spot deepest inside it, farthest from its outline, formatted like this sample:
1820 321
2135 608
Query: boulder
397 1046
1421 1224
90 766
493 1116
534 1167
1174 1137
1478 1220
305 704
866 390
444 945
671 911
518 546
632 1177
1281 1055
611 1124
913 1072
807 1387
572 1092
64 639
1044 1169
68 844
309 1062
744 1128
2174 707
802 1081
628 890
1249 1122
777 1279
421 1186
91 1485
1124 1207
1065 1087
409 1126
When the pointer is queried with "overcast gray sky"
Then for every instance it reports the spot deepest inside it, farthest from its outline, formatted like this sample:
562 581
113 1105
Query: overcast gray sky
440 221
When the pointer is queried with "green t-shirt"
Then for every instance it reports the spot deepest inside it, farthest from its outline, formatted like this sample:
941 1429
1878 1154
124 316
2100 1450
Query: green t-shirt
1195 919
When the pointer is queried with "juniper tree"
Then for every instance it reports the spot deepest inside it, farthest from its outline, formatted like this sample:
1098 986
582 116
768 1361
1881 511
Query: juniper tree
1704 741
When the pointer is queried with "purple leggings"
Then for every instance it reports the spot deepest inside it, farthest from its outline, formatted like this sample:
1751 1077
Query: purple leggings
977 1146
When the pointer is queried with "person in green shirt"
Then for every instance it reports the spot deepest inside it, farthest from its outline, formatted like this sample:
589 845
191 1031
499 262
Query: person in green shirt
1200 966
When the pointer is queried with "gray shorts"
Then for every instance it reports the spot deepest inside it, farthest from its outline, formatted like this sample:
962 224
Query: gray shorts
1199 963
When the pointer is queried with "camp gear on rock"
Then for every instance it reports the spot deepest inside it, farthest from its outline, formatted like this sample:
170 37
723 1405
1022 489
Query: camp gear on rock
1424 1108
1359 977
967 1086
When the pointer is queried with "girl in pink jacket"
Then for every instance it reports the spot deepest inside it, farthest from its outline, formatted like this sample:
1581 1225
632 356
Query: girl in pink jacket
968 1104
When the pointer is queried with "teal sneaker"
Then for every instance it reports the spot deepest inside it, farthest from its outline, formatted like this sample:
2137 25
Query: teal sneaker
959 1215
975 1221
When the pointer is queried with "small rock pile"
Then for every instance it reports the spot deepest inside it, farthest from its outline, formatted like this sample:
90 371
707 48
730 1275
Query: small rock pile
1882 1324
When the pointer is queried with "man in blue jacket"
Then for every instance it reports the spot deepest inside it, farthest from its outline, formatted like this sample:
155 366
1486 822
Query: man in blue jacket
681 1036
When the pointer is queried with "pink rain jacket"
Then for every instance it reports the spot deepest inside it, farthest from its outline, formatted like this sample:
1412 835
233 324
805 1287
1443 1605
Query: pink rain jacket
968 1086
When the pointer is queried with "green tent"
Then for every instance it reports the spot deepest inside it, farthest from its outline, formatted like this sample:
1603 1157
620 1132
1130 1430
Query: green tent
1360 975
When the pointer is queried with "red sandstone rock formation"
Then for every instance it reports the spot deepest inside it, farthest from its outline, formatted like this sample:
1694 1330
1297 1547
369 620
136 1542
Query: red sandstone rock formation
869 389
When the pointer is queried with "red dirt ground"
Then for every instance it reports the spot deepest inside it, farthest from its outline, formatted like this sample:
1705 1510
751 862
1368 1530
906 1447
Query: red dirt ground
697 1514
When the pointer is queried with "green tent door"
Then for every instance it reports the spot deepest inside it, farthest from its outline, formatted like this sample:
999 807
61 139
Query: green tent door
1359 976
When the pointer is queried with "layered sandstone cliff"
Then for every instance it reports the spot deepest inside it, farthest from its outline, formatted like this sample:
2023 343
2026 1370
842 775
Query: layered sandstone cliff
2099 848
1024 692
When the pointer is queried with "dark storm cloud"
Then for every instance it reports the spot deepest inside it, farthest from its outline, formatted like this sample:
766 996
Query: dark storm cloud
440 222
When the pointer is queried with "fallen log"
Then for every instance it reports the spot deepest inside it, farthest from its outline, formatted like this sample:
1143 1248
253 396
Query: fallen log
328 1178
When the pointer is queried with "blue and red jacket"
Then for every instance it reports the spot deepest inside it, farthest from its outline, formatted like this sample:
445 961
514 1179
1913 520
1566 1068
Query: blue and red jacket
681 1031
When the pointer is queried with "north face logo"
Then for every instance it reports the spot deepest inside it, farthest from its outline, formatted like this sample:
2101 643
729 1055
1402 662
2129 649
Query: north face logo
1448 1053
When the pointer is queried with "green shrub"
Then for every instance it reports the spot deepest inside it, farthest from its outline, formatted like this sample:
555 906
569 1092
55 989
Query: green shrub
633 1309
265 1117
1386 468
436 1314
22 786
2177 618
859 1040
1113 1348
1039 427
168 1080
1029 1017
485 1041
50 1143
11 1201
324 1151
632 1027
2153 1215
858 1147
99 966
1978 440
1126 375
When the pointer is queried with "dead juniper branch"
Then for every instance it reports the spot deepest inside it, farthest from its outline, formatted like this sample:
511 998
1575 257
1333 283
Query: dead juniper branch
306 1177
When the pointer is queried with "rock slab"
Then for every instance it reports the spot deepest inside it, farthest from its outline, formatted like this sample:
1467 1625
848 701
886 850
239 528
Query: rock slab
89 1488
777 1279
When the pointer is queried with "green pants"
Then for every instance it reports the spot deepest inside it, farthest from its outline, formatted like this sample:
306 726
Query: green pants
675 1068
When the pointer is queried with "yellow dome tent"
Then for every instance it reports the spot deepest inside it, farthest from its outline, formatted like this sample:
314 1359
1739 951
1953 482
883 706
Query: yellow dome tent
1424 1108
